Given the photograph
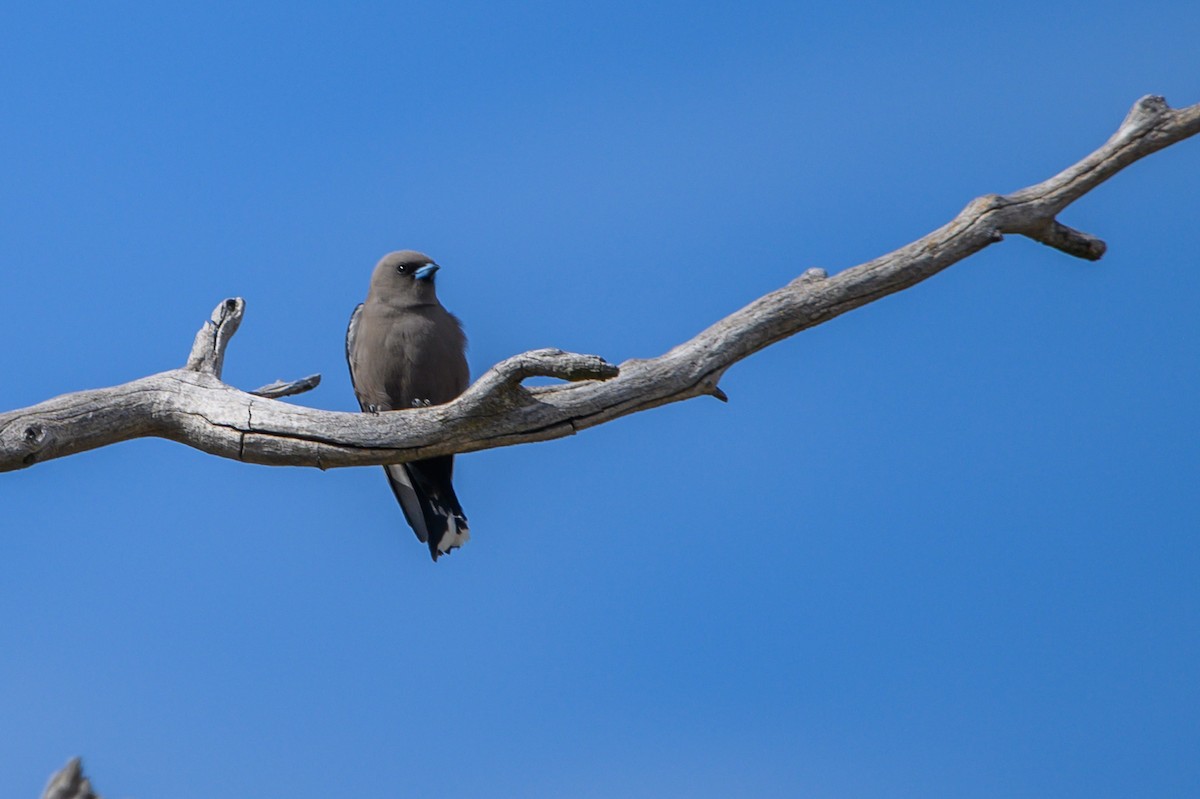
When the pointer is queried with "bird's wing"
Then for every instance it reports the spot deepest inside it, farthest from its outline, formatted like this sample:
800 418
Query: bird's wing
410 501
397 474
351 337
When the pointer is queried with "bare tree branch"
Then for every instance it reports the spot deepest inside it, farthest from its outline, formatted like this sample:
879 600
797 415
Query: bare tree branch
191 405
69 783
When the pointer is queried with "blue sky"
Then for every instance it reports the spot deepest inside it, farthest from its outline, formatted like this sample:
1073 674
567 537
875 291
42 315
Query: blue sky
945 545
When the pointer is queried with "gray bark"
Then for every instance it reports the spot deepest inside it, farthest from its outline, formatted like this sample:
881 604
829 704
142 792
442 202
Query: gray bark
69 783
193 406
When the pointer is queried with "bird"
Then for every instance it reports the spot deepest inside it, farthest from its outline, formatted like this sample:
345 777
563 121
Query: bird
406 351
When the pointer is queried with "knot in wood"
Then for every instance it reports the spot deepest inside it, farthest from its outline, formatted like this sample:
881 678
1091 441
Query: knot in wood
988 202
33 438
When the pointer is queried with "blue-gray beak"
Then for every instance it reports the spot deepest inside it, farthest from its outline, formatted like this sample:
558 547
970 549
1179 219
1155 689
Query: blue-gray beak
426 271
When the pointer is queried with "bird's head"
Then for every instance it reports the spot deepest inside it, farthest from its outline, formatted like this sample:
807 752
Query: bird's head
405 276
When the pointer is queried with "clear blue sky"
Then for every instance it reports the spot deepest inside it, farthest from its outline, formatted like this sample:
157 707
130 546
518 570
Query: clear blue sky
946 545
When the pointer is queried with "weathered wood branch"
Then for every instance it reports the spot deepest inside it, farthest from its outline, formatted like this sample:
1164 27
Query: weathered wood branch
193 406
69 783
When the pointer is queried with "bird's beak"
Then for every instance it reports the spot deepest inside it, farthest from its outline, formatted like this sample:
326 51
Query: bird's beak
426 271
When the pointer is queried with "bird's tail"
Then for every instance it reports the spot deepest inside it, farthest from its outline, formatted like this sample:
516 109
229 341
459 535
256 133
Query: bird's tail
452 525
427 497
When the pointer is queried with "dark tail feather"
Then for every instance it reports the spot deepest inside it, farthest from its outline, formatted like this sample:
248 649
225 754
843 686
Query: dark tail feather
426 495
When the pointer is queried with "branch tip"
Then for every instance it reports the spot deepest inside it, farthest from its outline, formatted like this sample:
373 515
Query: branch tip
502 383
568 366
69 783
208 348
1069 240
281 388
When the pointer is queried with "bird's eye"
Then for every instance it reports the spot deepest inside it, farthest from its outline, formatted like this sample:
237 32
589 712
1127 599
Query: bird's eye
402 268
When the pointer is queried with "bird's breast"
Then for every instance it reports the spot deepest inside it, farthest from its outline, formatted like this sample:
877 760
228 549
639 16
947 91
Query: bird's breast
412 358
